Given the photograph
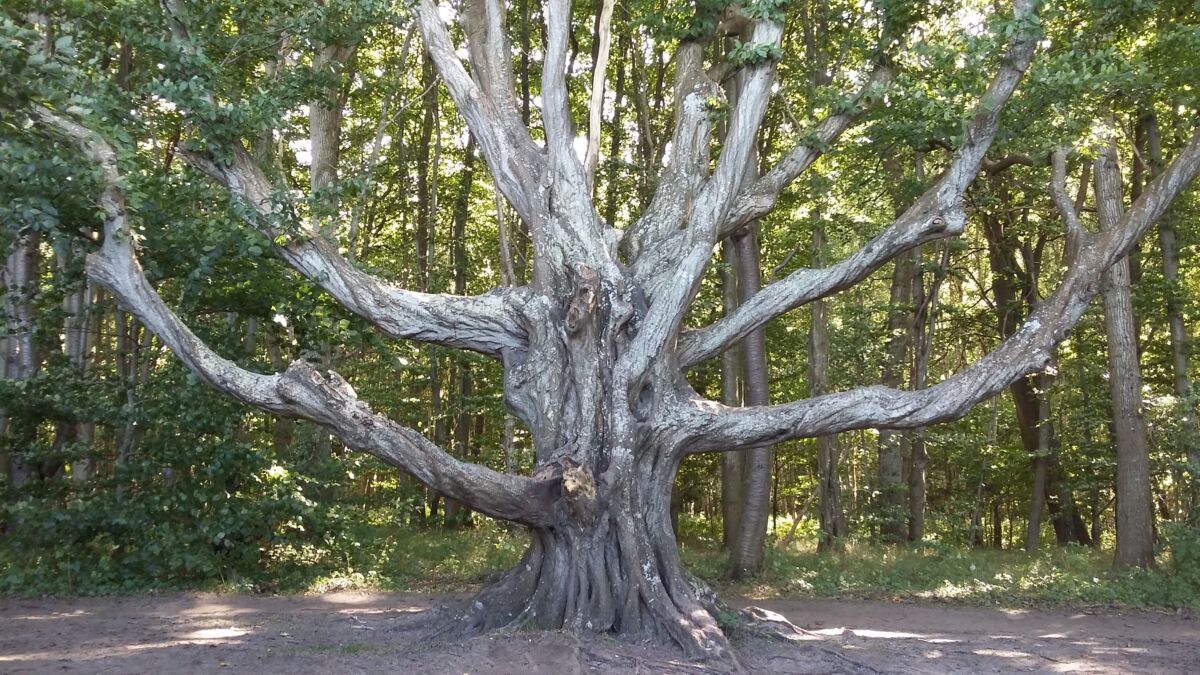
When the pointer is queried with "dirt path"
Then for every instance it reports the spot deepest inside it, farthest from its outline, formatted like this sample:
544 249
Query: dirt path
368 633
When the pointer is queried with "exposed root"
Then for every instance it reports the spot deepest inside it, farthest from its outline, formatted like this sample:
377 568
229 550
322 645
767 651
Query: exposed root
604 581
764 623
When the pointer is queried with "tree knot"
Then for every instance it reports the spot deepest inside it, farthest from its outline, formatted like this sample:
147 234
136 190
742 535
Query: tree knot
583 300
579 491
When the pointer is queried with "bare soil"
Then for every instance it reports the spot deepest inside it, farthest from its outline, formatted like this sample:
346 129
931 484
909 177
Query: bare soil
375 632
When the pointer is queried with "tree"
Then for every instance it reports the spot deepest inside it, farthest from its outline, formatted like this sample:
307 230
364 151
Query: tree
595 348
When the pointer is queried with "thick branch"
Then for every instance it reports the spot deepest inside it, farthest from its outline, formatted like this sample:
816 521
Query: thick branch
1029 349
717 196
758 199
938 213
591 158
485 323
685 172
514 160
300 391
1075 233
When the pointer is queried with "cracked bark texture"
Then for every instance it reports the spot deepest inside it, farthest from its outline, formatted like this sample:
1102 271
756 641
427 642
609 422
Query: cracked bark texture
593 348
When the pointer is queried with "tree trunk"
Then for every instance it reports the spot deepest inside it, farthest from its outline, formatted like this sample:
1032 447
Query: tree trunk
830 514
1168 243
1040 461
893 525
746 558
732 463
924 323
456 514
21 359
1135 513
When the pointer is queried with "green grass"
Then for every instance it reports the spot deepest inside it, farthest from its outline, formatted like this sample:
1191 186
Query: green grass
1057 576
439 561
377 556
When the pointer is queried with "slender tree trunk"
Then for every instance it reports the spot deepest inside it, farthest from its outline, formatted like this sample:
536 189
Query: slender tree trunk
926 303
732 463
1135 513
894 446
456 514
22 361
613 193
1040 463
830 513
1168 243
325 134
893 526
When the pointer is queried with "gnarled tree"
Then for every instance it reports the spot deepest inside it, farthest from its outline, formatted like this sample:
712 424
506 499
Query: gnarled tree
594 348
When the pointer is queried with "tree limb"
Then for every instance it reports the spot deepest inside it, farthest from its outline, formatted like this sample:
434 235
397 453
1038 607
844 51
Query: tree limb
300 391
514 160
1076 234
758 199
717 427
596 106
936 214
486 323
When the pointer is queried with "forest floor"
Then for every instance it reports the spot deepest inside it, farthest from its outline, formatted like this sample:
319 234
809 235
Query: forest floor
357 632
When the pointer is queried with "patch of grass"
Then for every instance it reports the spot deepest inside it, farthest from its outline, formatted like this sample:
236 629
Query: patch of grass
369 553
1055 576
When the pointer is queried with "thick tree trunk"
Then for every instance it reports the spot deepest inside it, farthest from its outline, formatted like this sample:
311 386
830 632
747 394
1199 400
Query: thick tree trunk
1135 512
746 557
616 569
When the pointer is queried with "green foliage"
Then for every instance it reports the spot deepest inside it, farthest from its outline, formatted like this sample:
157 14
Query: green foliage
754 53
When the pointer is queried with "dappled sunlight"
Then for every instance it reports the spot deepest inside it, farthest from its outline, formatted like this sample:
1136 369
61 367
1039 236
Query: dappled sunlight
52 616
216 633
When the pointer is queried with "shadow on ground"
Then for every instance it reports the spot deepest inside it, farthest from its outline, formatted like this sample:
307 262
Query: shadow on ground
369 633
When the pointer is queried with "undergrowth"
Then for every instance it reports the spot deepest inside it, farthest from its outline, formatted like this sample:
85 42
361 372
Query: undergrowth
367 553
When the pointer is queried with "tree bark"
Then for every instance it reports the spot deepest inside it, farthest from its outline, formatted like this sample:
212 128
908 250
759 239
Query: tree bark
1168 243
22 361
1135 512
831 516
732 463
746 558
893 526
592 349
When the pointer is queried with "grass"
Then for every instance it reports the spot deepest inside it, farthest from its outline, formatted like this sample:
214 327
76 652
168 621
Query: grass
442 561
379 556
1057 576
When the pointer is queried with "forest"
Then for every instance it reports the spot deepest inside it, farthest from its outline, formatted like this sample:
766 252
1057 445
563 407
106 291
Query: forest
827 297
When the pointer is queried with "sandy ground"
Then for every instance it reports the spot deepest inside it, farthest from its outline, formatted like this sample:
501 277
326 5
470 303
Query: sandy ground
372 632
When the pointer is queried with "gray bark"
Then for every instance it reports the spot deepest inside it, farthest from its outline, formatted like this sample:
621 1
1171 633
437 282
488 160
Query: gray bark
829 496
1135 512
1168 243
746 556
732 463
21 359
